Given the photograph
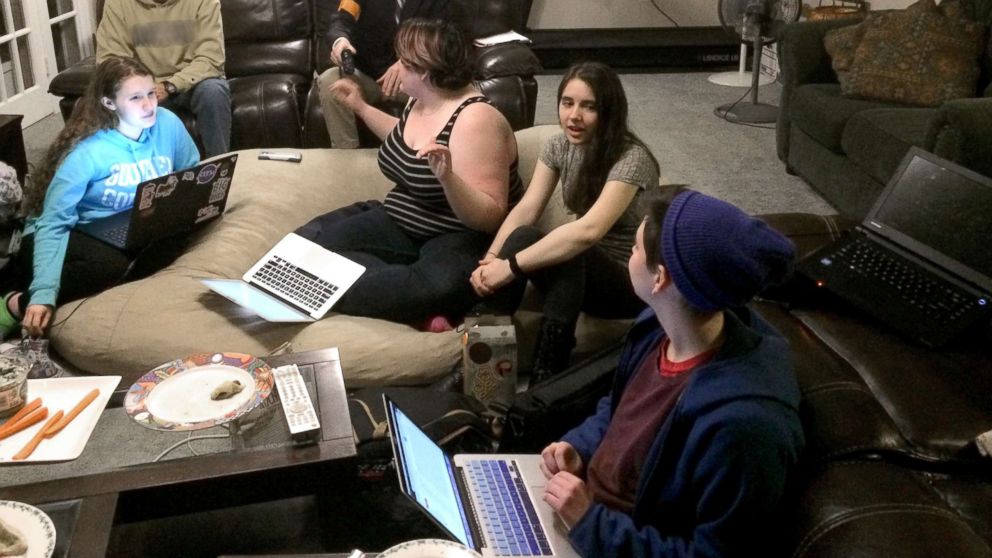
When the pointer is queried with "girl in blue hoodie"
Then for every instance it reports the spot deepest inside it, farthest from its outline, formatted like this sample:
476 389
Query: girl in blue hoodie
116 138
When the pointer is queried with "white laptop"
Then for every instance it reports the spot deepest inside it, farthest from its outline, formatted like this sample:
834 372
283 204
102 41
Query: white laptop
491 503
296 281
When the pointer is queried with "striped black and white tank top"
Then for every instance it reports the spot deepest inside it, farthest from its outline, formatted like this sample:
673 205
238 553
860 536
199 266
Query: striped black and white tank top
418 203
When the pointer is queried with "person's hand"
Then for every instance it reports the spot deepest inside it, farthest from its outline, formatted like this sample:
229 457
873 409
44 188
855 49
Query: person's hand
347 92
560 457
568 495
389 81
339 46
36 319
438 157
488 258
491 277
160 93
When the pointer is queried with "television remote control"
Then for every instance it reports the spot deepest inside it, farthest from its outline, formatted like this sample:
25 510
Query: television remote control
296 404
347 62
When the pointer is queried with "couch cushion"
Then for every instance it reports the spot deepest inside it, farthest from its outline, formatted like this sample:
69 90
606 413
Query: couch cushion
938 400
822 112
917 56
842 43
266 110
876 140
870 508
131 328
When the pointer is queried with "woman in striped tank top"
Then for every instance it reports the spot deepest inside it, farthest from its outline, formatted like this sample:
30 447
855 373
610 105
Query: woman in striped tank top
582 265
453 158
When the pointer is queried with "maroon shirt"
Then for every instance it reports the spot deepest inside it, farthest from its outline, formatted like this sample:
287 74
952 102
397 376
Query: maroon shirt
652 393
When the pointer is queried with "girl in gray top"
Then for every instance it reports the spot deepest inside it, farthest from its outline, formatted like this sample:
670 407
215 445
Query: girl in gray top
582 265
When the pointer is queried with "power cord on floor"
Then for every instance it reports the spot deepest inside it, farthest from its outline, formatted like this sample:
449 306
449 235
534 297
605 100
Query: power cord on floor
734 104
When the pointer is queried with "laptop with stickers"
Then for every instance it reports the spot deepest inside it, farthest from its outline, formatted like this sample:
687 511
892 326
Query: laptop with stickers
170 204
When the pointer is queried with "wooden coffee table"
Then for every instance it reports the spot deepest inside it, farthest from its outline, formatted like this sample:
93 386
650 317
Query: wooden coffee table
86 506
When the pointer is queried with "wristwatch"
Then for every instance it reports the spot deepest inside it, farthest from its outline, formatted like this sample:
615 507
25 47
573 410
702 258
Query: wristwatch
170 88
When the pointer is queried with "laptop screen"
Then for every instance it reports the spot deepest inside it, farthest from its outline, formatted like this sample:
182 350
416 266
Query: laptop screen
427 475
941 211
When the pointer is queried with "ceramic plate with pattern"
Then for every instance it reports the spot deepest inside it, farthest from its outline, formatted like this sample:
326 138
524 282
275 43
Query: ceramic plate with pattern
33 525
430 548
179 395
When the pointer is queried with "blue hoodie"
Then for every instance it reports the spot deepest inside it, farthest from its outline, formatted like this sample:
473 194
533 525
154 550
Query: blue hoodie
713 479
96 179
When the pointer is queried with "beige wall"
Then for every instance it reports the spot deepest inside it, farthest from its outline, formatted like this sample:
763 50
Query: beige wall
614 14
891 4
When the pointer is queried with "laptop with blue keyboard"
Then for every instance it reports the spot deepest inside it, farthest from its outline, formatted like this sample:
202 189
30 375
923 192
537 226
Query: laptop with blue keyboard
920 260
491 503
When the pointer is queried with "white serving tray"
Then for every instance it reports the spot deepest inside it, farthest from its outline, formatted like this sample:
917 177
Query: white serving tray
62 394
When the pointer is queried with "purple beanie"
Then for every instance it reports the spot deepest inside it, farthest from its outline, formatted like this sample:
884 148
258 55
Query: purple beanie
718 255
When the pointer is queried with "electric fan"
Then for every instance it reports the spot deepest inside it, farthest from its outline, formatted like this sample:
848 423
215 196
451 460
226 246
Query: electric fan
757 22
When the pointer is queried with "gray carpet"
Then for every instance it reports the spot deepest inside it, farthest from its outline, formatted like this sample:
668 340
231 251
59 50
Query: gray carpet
673 114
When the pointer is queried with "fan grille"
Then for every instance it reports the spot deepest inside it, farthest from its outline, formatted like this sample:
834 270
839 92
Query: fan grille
776 13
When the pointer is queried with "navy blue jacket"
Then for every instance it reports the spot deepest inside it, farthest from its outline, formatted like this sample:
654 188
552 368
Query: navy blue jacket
714 478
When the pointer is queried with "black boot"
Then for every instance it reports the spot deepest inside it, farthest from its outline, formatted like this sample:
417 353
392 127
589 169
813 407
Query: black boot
554 346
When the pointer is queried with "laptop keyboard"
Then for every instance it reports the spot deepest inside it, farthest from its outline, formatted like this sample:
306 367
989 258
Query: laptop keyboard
117 235
301 287
506 513
914 284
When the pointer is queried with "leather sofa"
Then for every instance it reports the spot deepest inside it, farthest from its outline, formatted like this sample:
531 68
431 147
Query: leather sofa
848 148
890 468
274 48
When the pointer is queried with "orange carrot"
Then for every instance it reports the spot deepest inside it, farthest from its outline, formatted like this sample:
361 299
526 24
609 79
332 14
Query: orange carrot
38 437
22 413
83 403
31 418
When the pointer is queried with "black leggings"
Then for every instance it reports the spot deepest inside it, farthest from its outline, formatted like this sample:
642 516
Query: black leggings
91 266
591 282
406 279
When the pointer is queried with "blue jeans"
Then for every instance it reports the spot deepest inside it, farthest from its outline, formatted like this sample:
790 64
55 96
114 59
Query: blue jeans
210 102
407 279
592 282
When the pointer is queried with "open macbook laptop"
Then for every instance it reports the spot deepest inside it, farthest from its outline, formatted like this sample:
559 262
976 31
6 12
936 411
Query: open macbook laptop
920 261
296 281
491 503
168 205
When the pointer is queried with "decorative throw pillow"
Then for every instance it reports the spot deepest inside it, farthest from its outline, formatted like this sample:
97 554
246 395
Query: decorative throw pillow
842 43
918 56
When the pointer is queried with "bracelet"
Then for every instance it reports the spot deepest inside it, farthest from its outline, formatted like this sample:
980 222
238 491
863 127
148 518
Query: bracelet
515 267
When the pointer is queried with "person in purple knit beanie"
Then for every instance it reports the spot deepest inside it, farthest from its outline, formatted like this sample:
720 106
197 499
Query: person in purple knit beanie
692 451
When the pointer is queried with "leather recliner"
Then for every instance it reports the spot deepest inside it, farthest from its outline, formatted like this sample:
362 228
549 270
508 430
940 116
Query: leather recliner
274 51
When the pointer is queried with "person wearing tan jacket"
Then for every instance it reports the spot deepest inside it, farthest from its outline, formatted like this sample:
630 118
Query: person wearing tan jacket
182 42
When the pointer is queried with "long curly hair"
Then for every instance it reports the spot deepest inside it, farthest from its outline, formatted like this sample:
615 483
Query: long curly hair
88 116
611 138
